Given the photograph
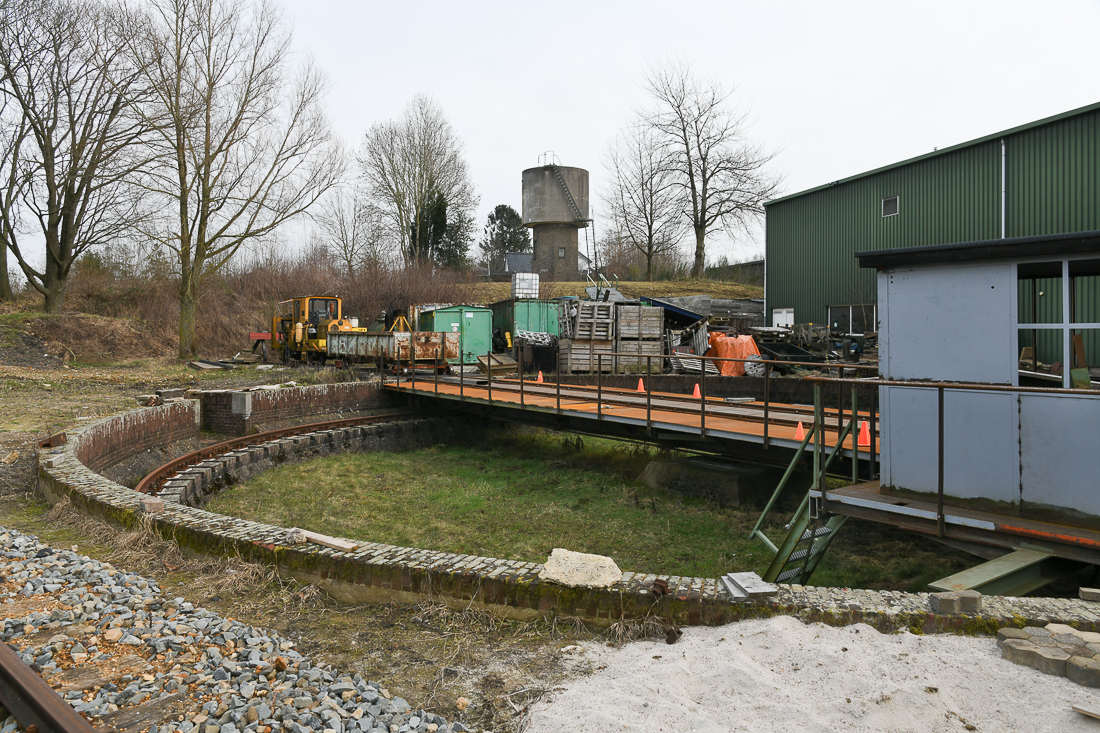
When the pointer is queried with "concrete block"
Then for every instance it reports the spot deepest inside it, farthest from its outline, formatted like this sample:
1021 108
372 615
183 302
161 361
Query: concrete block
1088 637
1056 629
1020 651
1037 631
1084 671
151 505
1051 660
580 570
970 601
54 460
1005 634
944 603
1089 594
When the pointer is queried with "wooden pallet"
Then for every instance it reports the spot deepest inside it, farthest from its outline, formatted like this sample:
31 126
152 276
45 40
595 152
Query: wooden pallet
595 322
576 356
639 322
632 346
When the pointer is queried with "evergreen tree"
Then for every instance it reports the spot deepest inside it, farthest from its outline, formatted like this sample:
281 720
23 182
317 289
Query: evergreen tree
504 232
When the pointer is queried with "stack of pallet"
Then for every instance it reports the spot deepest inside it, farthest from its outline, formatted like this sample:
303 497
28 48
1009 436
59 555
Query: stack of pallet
638 330
593 333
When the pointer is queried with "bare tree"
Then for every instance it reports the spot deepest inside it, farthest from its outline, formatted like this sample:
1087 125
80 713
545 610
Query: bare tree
721 174
241 141
355 228
408 164
644 196
67 136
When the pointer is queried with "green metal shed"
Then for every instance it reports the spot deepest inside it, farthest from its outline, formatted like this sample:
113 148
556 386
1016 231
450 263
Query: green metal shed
474 324
526 314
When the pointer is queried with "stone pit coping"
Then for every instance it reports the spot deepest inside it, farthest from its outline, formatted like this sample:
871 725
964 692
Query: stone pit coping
375 572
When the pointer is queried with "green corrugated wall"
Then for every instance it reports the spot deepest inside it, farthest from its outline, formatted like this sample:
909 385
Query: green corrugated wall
1053 186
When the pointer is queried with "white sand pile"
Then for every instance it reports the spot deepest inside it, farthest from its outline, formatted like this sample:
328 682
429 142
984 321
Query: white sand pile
782 675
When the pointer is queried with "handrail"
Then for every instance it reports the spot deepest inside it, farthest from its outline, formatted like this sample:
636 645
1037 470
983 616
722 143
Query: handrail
962 386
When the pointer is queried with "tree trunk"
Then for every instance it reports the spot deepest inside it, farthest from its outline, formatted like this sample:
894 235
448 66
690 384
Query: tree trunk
5 284
187 323
649 265
700 253
54 296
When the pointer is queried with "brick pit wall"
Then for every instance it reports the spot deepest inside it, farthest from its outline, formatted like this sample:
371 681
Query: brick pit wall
236 413
374 572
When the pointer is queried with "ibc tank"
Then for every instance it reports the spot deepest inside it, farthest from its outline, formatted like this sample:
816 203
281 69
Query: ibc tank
544 201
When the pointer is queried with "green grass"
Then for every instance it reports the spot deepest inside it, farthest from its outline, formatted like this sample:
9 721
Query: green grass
525 494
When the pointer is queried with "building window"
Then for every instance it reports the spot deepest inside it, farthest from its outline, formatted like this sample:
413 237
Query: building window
1058 323
890 206
561 253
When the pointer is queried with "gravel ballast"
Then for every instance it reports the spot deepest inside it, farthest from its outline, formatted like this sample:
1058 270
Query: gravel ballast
124 653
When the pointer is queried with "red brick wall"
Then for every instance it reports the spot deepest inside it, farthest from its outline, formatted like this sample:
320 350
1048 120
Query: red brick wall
116 440
235 413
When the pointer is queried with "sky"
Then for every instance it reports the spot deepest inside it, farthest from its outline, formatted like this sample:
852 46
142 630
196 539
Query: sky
833 89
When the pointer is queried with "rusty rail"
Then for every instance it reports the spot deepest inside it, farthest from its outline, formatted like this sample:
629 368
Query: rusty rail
155 479
32 701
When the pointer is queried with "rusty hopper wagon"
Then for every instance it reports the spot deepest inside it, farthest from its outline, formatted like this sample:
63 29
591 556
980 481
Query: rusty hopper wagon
398 349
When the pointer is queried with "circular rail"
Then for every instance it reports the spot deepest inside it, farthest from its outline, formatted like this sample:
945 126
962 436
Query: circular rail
32 701
152 483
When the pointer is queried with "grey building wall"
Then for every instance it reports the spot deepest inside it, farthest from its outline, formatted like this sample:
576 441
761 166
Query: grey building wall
1025 451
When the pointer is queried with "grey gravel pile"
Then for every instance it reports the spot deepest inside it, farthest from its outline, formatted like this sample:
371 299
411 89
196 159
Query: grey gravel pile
255 679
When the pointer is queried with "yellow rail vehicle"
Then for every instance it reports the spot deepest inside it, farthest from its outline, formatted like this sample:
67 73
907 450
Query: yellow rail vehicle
300 328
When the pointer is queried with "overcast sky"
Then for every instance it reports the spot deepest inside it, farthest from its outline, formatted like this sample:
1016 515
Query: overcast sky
834 88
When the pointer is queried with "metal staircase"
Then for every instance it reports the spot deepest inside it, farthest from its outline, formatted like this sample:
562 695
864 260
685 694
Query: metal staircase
577 215
810 531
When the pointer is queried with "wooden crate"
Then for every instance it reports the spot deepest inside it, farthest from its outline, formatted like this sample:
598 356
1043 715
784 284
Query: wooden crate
579 357
638 364
639 322
595 322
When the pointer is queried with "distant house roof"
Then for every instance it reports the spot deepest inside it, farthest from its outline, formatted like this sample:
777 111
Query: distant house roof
518 261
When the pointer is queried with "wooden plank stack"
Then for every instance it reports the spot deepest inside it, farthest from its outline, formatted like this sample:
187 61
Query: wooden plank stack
638 330
577 356
595 322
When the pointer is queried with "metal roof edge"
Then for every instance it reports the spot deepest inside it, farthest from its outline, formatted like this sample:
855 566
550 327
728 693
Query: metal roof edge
979 250
943 151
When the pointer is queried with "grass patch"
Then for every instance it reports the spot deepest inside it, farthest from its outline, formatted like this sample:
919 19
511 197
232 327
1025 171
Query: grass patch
524 494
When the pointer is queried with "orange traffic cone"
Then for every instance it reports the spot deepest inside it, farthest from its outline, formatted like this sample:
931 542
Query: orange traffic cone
539 380
864 434
800 432
641 385
695 394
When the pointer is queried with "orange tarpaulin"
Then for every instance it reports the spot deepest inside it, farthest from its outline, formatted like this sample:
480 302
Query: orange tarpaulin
735 347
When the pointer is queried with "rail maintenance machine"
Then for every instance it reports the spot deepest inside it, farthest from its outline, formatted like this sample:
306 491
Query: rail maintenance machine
313 329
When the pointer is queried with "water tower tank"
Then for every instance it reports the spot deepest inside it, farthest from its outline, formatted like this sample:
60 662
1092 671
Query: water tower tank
555 194
555 206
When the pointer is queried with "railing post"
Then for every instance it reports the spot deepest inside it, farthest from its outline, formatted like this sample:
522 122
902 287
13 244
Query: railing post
873 467
461 378
767 394
437 370
855 436
557 380
520 371
819 440
412 364
939 488
599 386
648 392
489 371
703 398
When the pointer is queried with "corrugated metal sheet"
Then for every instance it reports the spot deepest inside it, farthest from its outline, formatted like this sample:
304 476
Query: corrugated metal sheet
812 240
1053 186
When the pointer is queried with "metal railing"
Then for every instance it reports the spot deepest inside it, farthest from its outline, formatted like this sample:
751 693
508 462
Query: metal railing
940 388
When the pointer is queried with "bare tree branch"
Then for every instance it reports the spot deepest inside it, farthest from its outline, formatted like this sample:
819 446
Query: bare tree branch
68 130
407 163
240 139
356 230
644 197
723 176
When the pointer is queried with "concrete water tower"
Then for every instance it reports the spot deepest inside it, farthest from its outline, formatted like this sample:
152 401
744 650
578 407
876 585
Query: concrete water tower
555 206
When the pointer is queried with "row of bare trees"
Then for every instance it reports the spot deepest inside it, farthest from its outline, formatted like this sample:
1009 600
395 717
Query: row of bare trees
181 123
685 165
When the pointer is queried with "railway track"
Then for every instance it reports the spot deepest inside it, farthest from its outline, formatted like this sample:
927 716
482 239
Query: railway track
32 701
153 482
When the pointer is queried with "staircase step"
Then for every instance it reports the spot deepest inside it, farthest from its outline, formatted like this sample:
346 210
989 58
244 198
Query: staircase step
819 532
798 555
788 574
